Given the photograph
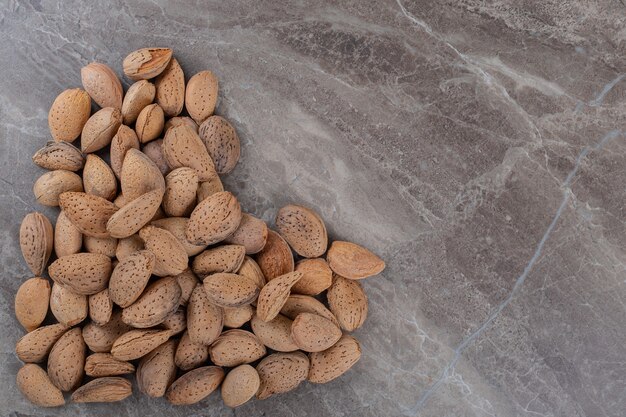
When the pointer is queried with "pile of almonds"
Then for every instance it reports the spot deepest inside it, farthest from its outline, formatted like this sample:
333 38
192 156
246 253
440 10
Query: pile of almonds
158 270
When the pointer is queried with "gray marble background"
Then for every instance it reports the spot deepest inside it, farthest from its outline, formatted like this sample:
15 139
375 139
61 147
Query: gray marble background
478 146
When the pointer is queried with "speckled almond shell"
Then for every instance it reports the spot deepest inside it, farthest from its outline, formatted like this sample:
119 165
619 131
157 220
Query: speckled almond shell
275 258
102 84
104 364
89 213
170 89
225 258
353 261
34 346
59 155
251 270
68 114
222 142
303 229
135 344
127 246
135 214
139 175
138 96
335 361
195 385
100 129
125 138
171 257
98 178
275 334
149 124
317 276
281 372
298 303
68 307
240 385
230 290
251 234
190 355
103 390
52 184
235 317
181 186
313 333
204 319
101 338
274 295
100 307
181 120
177 226
214 219
146 63
201 95
83 273
182 147
102 245
31 302
209 187
348 302
236 347
158 301
36 386
176 321
66 361
130 277
154 151
157 370
36 241
67 238
187 281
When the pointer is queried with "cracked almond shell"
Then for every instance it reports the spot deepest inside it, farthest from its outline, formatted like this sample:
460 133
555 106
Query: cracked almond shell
275 258
214 219
149 124
89 213
100 129
83 273
146 63
251 270
98 178
68 114
36 241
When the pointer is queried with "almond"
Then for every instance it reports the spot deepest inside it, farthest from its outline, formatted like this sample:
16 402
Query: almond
134 215
316 276
214 219
209 187
176 321
177 226
35 346
236 347
235 317
100 129
251 233
36 386
195 385
124 139
103 390
353 261
67 307
170 255
204 319
182 147
158 301
180 192
240 385
135 344
222 142
226 258
275 258
230 290
31 303
36 240
251 270
298 303
313 333
83 273
303 229
335 361
281 372
127 246
59 155
157 370
67 238
154 151
138 96
181 120
120 201
201 95
130 277
67 360
101 338
190 355
68 114
104 364
348 302
100 307
98 178
50 185
149 123
139 175
274 295
102 85
89 213
187 281
146 63
170 89
102 245
275 334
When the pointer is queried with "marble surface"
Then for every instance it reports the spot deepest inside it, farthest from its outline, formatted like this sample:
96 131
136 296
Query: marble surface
478 146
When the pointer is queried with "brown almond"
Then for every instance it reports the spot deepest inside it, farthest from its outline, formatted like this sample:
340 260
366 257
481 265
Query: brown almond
170 89
149 123
36 386
59 155
66 361
177 226
303 229
275 258
226 258
154 151
157 370
236 347
68 114
251 270
36 241
31 302
130 277
209 187
281 372
146 63
67 307
102 245
100 129
348 302
275 334
127 246
240 385
251 234
134 215
103 390
139 175
204 319
120 201
274 295
201 95
180 192
67 238
176 321
102 85
158 301
317 276
135 344
170 255
138 96
299 303
180 120
195 385
89 213
222 142
353 261
313 333
230 290
100 307
182 147
335 361
235 317
214 219
190 355
187 281
83 273
124 139
104 364
98 178
101 338
50 185
35 346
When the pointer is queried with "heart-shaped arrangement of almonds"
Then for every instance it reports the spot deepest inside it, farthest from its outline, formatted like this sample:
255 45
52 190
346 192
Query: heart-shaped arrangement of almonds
158 271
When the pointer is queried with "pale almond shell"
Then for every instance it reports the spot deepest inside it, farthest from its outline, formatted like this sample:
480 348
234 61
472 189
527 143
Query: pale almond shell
100 307
180 120
281 372
236 347
275 258
149 124
135 344
170 255
83 273
52 184
204 319
35 346
177 226
353 261
274 295
176 321
183 147
222 142
102 85
100 129
138 96
201 95
230 290
251 270
69 113
104 364
214 219
157 370
195 385
170 89
102 245
103 390
154 151
313 333
146 63
135 214
130 277
240 385
66 361
124 139
89 213
180 192
98 178
101 338
67 238
317 276
275 334
36 386
335 361
127 246
251 234
59 155
235 317
209 187
187 281
68 307
139 175
225 258
190 355
159 300
299 303
31 302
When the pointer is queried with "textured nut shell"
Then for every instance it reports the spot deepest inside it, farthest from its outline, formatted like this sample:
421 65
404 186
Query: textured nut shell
102 245
139 175
124 139
157 370
68 114
275 258
36 240
182 147
127 246
226 258
348 302
190 355
209 187
146 63
59 155
101 338
104 364
50 185
335 361
251 270
298 303
135 214
353 261
170 89
149 123
204 319
214 219
68 307
251 234
100 307
275 334
222 142
187 281
240 385
31 302
281 372
83 273
102 85
35 346
103 390
235 317
274 295
89 213
130 277
138 96
195 385
66 361
317 276
177 226
98 178
236 347
100 129
159 300
154 151
36 386
67 238
230 290
313 333
180 192
201 95
170 255
303 229
181 120
176 321
135 344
